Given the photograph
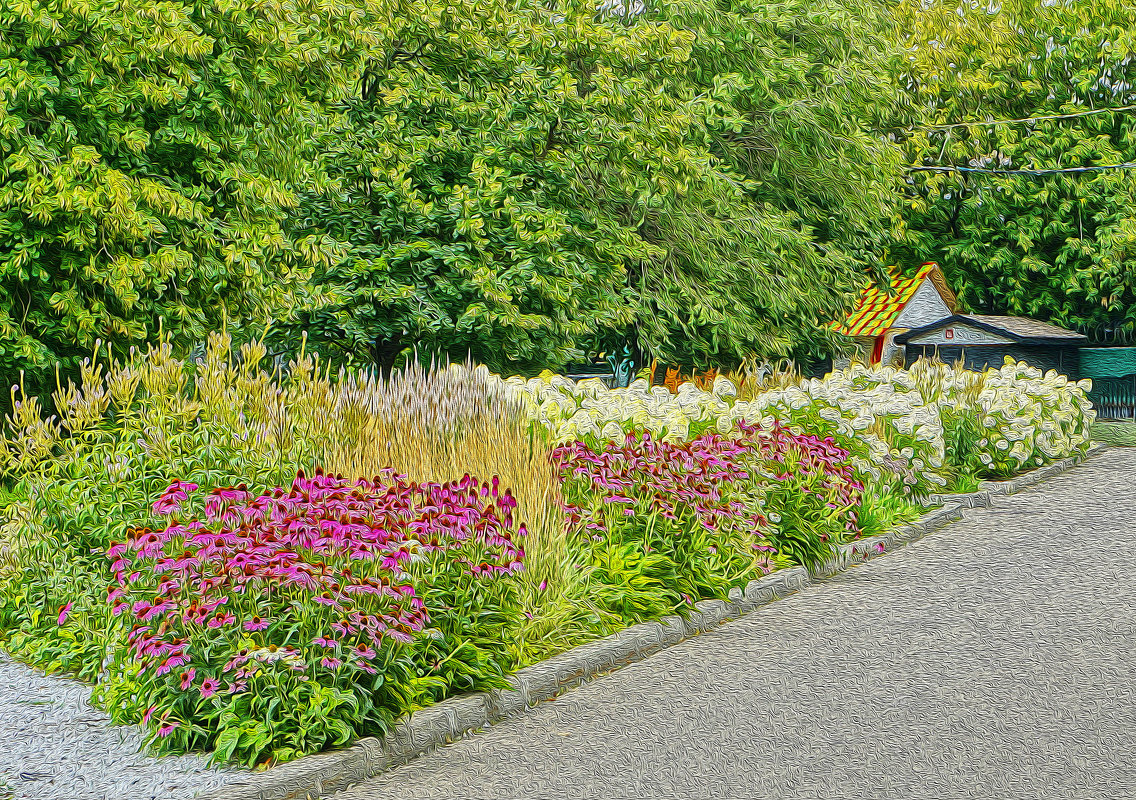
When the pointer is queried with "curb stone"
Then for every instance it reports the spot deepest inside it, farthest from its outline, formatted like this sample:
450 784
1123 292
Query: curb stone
322 774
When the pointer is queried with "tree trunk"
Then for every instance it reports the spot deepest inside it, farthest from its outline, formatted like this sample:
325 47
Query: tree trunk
384 353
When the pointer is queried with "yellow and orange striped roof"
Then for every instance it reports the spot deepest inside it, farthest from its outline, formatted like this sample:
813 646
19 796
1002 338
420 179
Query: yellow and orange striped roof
877 310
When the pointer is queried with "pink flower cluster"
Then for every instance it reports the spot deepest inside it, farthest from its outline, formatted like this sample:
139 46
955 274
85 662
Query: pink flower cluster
702 474
339 552
811 456
663 474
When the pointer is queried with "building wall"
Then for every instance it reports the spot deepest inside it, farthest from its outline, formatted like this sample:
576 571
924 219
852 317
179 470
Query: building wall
1064 359
892 353
925 307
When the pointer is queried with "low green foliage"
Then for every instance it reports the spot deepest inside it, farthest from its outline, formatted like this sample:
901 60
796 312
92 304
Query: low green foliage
1116 433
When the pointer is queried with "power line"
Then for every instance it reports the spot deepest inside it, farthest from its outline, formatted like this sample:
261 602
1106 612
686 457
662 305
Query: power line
1022 171
1072 115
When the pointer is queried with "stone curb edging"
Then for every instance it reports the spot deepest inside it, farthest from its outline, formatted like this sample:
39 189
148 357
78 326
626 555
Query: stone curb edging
951 509
319 775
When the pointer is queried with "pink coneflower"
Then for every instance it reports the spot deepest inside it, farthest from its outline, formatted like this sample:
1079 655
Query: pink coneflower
154 611
364 652
149 712
167 729
237 660
166 505
330 662
212 605
168 586
63 612
209 687
327 600
217 497
255 624
324 642
187 679
170 664
220 619
171 499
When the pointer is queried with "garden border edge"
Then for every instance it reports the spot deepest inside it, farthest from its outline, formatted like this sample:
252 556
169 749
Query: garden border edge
321 774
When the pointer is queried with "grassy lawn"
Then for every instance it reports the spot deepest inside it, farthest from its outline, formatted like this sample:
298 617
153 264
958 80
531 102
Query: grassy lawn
1118 432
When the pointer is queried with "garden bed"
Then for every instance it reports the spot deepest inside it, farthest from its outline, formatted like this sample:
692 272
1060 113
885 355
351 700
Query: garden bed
182 536
452 719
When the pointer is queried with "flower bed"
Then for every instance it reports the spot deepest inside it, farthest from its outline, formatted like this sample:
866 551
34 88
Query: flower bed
665 523
164 541
244 621
923 425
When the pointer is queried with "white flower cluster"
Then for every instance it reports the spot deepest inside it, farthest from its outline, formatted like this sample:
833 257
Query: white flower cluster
1032 418
888 416
574 410
879 412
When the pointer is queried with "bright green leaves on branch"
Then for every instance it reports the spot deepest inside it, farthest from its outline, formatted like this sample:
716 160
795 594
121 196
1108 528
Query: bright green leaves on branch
515 179
1054 246
148 152
696 173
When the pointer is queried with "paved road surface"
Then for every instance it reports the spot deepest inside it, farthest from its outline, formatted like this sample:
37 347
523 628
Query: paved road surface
993 659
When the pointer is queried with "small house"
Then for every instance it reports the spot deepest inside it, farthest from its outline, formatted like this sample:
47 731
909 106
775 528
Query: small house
881 316
983 342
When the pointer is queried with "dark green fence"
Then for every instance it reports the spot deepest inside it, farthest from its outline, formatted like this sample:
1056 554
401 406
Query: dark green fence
1113 372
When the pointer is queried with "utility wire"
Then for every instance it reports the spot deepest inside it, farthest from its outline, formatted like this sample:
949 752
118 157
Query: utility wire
1022 171
1071 115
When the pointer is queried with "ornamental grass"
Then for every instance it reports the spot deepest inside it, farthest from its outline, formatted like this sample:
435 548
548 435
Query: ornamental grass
84 477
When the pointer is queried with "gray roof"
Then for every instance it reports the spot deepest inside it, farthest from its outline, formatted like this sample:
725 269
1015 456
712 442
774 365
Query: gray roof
1020 329
1028 328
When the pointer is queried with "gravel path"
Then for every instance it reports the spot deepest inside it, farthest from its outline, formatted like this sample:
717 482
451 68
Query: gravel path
56 746
991 659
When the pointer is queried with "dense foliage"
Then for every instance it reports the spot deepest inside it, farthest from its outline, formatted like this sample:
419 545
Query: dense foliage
164 542
1058 246
278 624
784 97
148 154
487 177
692 520
521 180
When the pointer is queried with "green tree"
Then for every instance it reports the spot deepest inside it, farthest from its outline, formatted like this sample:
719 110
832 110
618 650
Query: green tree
786 96
459 191
149 152
520 179
1054 246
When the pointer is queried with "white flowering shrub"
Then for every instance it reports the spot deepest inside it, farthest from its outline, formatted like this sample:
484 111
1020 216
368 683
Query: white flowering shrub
575 411
894 436
1030 418
909 429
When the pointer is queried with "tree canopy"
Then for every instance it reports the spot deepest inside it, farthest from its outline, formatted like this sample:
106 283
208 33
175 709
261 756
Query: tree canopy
517 179
526 179
148 156
1053 246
